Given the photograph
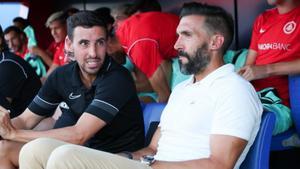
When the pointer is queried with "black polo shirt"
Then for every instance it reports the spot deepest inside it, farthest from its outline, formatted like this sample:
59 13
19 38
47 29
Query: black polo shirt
17 81
111 98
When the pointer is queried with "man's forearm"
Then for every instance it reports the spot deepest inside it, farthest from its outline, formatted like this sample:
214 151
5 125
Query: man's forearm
251 57
45 124
43 54
205 163
67 134
284 68
18 123
143 87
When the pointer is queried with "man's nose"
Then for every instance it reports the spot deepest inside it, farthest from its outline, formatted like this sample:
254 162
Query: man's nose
178 44
53 32
10 44
92 51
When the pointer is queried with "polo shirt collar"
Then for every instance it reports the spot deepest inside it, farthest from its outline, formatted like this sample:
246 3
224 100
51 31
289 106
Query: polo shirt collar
76 81
216 74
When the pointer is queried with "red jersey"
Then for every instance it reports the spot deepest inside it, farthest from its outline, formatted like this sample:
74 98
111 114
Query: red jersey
275 38
58 52
148 39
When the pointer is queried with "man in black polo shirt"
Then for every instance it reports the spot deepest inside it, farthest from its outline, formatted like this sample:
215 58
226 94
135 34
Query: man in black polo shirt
18 81
100 95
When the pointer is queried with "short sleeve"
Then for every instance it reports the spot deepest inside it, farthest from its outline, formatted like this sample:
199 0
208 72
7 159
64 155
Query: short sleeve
237 113
146 56
112 93
48 98
12 78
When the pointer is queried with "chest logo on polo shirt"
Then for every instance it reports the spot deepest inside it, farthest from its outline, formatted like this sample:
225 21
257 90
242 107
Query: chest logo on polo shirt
289 27
72 96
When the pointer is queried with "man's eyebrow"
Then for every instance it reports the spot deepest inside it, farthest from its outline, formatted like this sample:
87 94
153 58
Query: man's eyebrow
185 32
84 40
101 39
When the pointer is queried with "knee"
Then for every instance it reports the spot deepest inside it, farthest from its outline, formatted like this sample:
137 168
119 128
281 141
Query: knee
75 156
62 157
63 151
33 149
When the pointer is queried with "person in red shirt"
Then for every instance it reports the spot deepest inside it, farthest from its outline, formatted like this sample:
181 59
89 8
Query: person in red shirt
148 39
275 49
57 25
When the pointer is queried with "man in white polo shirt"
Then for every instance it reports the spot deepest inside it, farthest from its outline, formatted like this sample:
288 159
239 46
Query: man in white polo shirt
210 121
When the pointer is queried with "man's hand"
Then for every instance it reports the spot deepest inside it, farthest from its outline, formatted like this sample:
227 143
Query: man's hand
33 50
6 128
253 72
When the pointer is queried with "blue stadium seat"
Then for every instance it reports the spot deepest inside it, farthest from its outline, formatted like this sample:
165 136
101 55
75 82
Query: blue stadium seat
290 138
258 155
151 113
294 86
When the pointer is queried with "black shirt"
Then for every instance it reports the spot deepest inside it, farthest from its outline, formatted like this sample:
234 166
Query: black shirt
18 81
111 98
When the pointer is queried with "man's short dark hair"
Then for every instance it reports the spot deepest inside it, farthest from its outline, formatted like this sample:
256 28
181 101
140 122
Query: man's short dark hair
70 11
104 14
24 22
217 20
126 9
13 29
146 5
86 19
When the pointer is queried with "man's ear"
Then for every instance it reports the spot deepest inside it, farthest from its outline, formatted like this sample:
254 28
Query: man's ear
216 42
68 44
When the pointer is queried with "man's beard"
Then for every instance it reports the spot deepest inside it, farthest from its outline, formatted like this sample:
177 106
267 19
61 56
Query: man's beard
197 63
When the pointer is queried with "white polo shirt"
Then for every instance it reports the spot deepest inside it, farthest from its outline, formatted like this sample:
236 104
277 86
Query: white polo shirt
221 103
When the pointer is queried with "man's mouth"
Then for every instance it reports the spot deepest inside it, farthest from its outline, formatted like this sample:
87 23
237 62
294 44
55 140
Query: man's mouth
93 63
